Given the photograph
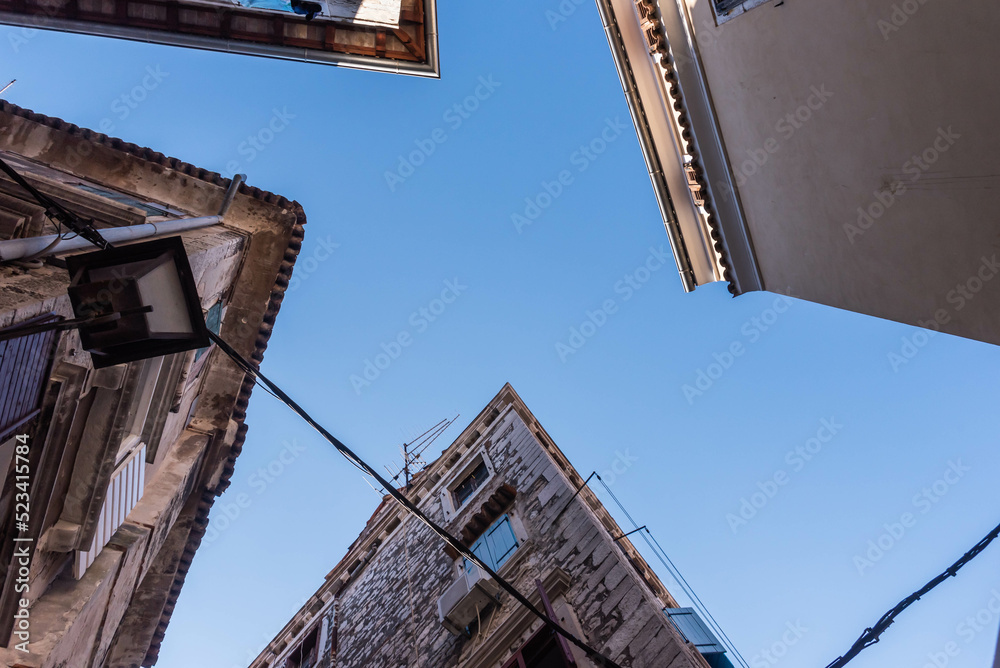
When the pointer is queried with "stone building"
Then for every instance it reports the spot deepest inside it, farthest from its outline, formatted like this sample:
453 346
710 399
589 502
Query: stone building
841 152
401 598
124 461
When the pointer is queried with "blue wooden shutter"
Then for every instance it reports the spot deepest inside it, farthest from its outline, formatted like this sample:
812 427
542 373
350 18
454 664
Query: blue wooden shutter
501 540
496 545
691 626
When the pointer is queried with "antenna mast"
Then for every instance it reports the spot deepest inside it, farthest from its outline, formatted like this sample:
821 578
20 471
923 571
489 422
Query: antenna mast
412 460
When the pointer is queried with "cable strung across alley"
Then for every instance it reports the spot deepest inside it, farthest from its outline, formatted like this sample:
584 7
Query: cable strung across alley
671 569
873 633
457 545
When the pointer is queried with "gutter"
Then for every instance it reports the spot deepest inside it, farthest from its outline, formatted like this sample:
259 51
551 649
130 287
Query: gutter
693 132
663 199
32 248
37 247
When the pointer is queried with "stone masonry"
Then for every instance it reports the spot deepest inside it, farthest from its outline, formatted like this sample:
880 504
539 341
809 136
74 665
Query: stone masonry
378 607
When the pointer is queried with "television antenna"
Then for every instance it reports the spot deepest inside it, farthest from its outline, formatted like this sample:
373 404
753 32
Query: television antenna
412 452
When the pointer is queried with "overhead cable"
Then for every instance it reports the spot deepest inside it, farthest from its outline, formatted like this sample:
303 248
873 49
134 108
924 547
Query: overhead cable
873 634
454 542
672 569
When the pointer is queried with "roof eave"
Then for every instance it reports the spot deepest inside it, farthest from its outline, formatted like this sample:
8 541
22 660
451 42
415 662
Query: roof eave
707 248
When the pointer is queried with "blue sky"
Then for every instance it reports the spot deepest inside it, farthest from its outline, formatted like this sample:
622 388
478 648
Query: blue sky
376 253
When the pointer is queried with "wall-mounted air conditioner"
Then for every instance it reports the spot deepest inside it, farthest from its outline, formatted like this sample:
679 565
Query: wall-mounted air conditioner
466 599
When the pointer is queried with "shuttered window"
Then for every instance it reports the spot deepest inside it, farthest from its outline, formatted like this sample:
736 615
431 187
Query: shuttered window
694 630
127 200
496 545
24 368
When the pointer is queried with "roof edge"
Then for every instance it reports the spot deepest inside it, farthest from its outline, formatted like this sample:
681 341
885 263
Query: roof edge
263 332
723 228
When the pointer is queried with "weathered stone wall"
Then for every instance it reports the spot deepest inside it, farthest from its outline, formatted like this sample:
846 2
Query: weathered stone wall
114 616
387 616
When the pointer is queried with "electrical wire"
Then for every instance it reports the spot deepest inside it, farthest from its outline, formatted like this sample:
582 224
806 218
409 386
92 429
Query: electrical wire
873 633
56 211
456 544
672 569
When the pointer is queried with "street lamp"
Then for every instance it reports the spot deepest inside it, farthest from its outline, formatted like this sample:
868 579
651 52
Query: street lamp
131 302
136 301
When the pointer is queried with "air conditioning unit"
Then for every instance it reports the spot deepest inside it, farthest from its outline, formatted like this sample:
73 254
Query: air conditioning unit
467 598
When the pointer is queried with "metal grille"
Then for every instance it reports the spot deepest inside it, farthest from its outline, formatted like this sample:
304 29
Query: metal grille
24 369
724 6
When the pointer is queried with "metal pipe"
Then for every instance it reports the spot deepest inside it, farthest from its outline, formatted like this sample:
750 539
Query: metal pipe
15 249
234 187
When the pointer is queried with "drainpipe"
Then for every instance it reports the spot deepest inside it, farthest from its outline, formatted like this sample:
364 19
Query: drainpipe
234 187
36 247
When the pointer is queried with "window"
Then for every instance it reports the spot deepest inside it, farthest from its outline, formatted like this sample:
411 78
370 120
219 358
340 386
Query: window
696 632
306 654
213 320
723 6
541 651
128 478
139 409
729 9
496 545
127 200
470 484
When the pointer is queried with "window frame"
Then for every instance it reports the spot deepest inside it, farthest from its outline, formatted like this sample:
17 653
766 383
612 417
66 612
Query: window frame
727 10
141 406
484 541
456 494
150 208
449 501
